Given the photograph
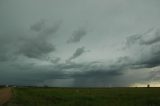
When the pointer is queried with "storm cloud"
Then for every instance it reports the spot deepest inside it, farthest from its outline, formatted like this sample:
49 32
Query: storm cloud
77 35
150 37
38 26
35 48
46 42
148 44
39 45
77 53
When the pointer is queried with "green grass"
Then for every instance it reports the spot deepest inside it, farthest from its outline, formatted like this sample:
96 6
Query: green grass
85 97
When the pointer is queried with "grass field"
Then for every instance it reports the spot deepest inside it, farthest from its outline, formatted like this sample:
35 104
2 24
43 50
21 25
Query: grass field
85 97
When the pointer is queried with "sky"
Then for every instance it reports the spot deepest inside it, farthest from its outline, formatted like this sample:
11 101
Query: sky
80 43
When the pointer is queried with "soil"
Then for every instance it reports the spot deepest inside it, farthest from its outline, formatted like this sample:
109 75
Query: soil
5 95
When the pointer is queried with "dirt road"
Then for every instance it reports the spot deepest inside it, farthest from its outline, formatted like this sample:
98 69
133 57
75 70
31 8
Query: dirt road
5 95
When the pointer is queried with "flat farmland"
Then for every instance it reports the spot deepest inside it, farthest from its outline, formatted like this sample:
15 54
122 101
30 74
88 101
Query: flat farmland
85 97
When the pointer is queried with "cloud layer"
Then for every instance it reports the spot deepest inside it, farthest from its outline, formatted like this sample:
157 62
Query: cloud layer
77 53
45 42
77 35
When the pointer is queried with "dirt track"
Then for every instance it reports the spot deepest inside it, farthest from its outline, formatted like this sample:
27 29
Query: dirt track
5 95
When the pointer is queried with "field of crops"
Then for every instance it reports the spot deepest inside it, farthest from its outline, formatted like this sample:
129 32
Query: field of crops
85 97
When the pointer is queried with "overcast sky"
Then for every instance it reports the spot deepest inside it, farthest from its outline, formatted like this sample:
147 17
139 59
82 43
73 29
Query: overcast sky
79 42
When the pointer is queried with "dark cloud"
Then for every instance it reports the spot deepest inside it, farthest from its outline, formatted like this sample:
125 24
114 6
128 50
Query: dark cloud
45 30
17 69
9 42
98 74
97 78
148 45
38 26
131 40
28 74
93 73
35 48
32 45
77 53
155 75
154 39
55 60
150 37
83 74
153 58
39 46
3 54
77 35
51 30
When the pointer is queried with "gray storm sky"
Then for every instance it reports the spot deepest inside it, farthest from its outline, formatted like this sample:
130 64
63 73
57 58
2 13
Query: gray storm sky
79 42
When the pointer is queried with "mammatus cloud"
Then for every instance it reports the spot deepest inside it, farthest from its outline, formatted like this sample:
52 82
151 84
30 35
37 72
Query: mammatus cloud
77 35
